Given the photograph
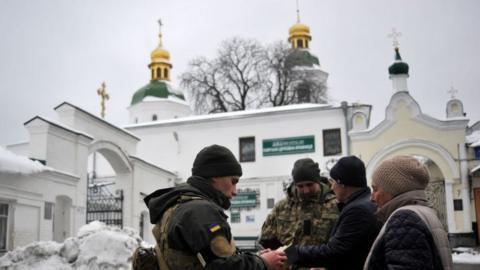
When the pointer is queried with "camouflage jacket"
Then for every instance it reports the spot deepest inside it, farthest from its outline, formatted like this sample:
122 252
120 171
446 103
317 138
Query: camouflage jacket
300 222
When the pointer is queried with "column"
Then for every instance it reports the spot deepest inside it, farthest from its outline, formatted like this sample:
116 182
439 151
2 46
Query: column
467 213
452 227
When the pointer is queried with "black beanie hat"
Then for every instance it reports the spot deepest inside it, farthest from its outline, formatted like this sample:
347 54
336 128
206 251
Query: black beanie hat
216 160
349 171
305 169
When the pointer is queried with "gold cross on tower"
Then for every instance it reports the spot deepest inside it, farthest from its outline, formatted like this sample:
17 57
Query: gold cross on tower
394 35
102 92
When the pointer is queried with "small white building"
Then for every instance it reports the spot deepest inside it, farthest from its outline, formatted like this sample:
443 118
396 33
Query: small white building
50 201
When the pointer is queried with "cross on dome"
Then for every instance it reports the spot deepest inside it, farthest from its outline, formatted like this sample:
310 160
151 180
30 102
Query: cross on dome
394 35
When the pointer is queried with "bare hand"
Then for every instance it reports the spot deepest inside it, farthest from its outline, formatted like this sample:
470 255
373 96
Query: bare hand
263 251
274 259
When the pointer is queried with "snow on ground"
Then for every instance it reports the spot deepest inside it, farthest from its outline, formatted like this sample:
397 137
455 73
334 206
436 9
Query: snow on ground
12 163
466 255
96 246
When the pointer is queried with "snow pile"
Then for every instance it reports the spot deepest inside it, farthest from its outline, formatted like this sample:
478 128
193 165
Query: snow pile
474 138
466 255
97 246
12 163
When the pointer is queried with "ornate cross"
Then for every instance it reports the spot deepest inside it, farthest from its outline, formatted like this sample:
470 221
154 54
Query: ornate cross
394 35
160 32
298 13
102 92
452 92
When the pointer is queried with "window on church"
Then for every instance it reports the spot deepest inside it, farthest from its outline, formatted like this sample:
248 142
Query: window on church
48 211
141 226
270 203
153 74
303 92
3 226
332 142
154 117
247 149
300 43
165 73
158 73
306 43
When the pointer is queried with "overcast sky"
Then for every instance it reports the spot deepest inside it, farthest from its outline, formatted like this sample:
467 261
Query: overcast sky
61 50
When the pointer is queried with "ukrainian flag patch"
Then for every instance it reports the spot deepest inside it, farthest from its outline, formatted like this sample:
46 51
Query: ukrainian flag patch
214 227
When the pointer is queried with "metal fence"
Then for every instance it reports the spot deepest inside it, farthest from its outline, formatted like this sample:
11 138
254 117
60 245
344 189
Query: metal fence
106 208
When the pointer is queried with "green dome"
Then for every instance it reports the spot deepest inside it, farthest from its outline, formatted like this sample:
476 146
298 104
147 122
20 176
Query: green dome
301 58
398 67
155 88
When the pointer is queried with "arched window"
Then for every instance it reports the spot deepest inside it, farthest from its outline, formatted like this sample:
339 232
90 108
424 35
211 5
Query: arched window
154 117
159 74
300 43
165 73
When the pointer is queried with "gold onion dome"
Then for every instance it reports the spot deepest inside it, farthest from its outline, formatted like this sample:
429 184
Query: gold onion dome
160 54
299 29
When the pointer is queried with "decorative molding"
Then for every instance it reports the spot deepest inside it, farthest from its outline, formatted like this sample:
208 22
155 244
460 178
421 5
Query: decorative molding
380 155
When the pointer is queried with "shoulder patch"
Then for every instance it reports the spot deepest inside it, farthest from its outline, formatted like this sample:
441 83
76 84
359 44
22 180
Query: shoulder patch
214 227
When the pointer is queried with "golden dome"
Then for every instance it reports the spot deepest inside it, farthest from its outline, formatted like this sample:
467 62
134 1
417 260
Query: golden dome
299 29
160 54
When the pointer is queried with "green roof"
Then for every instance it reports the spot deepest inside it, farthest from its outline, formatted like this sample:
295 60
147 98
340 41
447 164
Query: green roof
398 67
154 89
299 57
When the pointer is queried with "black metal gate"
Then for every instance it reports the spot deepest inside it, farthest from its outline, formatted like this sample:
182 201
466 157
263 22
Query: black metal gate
104 206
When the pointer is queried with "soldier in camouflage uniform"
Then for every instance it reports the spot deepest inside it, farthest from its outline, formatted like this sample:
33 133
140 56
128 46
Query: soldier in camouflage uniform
191 228
308 213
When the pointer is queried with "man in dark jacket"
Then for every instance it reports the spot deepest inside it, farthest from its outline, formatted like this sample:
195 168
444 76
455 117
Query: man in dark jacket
355 229
191 228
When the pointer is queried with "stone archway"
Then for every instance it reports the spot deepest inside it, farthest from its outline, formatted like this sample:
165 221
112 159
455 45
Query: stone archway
110 206
442 169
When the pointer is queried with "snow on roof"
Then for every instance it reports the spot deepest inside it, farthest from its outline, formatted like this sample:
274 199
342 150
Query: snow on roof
295 107
13 163
169 98
474 138
97 246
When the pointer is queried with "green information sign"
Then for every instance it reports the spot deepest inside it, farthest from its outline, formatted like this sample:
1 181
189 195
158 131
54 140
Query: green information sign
244 199
285 146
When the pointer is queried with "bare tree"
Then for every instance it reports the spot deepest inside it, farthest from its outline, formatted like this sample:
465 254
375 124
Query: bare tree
244 75
292 83
232 81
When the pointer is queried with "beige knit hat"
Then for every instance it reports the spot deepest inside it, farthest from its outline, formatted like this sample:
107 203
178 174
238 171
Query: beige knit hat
400 174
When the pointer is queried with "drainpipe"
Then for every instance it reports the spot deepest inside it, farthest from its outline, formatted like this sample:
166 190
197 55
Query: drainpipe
344 106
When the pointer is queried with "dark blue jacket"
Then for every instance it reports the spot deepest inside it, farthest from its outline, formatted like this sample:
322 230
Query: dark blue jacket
350 239
406 244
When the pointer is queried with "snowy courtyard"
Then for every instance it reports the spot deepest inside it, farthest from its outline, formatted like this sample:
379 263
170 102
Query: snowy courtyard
98 246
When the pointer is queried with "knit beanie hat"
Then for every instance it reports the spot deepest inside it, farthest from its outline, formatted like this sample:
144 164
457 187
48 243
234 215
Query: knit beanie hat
400 174
349 171
216 160
305 169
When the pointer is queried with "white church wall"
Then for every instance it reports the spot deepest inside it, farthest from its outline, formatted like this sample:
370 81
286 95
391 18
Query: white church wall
148 178
163 109
78 119
27 195
173 145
